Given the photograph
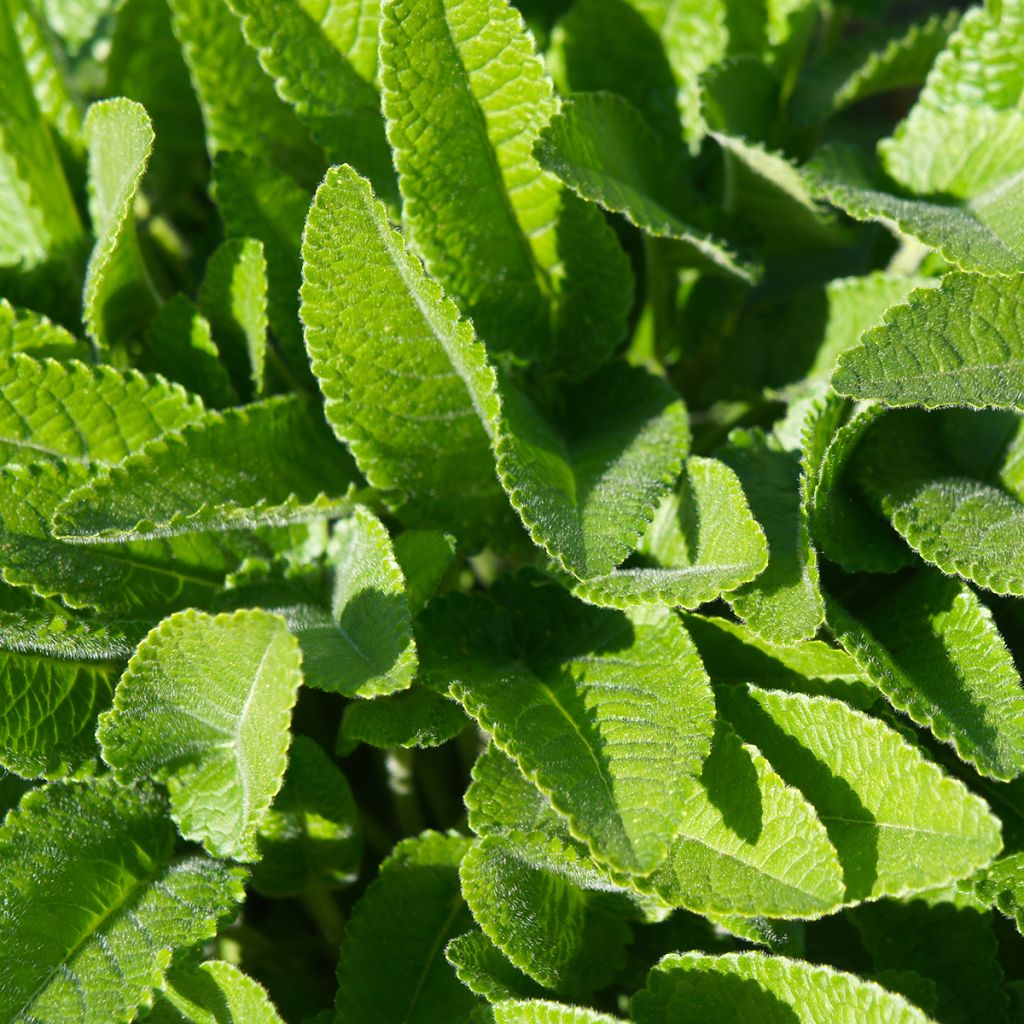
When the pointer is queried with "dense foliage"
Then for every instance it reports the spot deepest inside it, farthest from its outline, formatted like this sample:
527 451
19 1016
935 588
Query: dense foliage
511 511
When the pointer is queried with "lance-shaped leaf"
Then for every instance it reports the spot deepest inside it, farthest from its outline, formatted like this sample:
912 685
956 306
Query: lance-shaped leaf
542 1011
273 462
567 938
324 62
257 201
587 474
783 604
214 992
465 95
932 647
601 147
205 706
485 970
22 330
311 836
569 692
412 909
407 385
900 830
119 299
703 542
362 646
959 344
70 411
233 298
241 110
751 988
126 905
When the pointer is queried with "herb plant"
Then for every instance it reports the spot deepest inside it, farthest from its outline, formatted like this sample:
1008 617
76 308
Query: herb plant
511 511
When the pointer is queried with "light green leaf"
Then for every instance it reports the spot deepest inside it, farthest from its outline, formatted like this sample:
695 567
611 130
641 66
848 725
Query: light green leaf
417 717
407 385
569 691
126 903
587 474
933 648
1002 886
319 56
424 557
72 412
751 988
603 149
204 706
257 201
77 22
241 110
540 1011
485 970
703 542
272 462
214 992
22 330
311 836
783 604
363 646
233 298
540 273
119 299
900 825
563 936
960 344
412 910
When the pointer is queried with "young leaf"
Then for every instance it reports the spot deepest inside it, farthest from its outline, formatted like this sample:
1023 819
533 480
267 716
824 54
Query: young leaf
913 830
569 691
751 988
601 147
127 903
1002 886
932 647
703 541
540 273
214 992
120 298
417 717
72 412
960 344
412 909
407 385
587 476
264 463
485 970
563 936
204 706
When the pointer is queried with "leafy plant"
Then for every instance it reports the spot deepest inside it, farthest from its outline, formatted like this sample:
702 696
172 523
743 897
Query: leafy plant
511 511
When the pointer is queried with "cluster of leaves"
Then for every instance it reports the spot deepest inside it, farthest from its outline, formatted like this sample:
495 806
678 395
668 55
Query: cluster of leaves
511 512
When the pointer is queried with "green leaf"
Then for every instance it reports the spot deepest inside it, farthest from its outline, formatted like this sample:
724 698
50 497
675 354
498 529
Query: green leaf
588 474
311 836
603 149
783 605
569 691
417 717
703 542
959 344
120 298
412 909
180 345
233 298
932 647
323 61
1002 886
563 936
485 970
362 647
424 556
899 824
751 988
540 273
242 112
72 412
407 385
22 330
272 462
540 1011
126 903
257 201
204 706
214 992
